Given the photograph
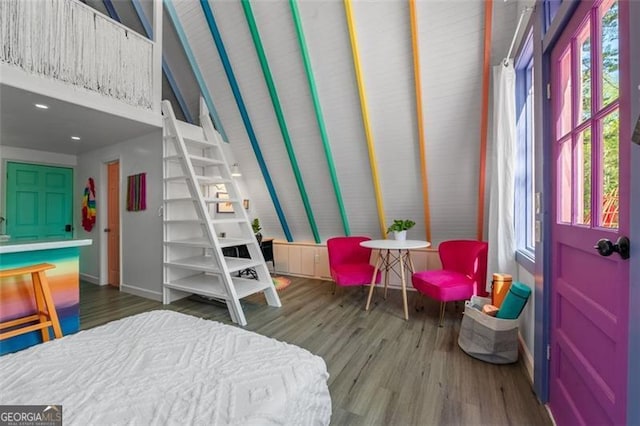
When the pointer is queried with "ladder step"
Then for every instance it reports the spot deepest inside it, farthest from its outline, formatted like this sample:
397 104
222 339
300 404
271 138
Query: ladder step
230 220
178 199
204 161
202 143
213 286
202 242
215 200
199 242
208 264
208 200
232 242
213 179
196 160
201 179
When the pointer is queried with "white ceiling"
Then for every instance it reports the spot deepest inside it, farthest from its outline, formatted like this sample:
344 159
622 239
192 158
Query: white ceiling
25 126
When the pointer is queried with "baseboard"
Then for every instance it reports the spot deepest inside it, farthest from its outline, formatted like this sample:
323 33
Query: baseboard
291 274
90 278
526 355
142 292
553 421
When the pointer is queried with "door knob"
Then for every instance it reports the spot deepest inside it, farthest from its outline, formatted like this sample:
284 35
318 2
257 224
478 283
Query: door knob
107 230
606 248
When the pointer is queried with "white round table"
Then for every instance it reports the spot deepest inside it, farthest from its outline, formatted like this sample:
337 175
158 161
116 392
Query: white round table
390 253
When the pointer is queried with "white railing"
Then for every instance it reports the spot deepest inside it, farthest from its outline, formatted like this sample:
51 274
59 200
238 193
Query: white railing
67 40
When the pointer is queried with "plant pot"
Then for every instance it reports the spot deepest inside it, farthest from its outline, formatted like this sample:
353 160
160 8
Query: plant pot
400 235
259 237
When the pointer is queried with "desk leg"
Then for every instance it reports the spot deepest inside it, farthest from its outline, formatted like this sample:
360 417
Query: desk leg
386 274
412 268
373 279
404 289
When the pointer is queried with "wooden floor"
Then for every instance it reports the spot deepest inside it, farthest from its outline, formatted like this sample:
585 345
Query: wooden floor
384 370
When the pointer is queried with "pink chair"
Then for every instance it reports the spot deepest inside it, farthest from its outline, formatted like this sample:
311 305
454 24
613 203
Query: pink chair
349 262
463 273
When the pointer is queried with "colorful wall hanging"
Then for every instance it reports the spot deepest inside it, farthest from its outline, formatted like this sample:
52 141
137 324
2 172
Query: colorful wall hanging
137 192
89 206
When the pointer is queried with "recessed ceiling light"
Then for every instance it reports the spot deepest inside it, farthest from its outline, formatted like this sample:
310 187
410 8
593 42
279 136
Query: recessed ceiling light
75 138
42 106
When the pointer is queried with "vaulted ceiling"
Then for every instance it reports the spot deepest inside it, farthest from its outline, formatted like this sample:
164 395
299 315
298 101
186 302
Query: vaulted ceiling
327 90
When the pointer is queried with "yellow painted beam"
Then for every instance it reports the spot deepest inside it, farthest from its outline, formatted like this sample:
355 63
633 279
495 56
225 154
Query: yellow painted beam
348 6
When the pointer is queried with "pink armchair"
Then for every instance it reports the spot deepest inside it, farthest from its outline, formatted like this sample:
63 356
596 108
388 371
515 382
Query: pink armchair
463 273
349 262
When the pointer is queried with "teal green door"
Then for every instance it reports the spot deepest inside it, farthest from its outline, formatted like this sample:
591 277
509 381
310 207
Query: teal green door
39 202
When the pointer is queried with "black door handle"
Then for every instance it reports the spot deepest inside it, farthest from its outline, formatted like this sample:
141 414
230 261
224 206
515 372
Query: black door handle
68 228
606 248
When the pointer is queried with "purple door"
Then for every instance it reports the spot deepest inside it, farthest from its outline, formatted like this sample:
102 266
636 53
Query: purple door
590 191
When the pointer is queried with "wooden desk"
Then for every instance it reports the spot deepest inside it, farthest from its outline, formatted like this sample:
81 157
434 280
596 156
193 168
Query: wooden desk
266 246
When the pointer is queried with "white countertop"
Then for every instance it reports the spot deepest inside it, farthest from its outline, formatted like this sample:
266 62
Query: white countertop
21 246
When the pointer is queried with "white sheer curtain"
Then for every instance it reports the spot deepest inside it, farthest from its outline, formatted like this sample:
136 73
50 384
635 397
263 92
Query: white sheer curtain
502 241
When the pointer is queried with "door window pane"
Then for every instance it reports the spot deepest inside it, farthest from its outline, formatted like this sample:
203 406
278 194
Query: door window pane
610 170
563 124
584 61
610 61
583 177
564 181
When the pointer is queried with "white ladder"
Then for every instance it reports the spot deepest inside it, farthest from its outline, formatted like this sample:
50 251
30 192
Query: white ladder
196 179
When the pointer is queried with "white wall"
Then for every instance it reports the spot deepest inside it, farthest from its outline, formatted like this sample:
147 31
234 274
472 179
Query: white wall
8 153
141 232
527 319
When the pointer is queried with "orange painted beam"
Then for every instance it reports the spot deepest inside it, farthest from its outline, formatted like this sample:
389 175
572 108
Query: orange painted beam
421 137
484 119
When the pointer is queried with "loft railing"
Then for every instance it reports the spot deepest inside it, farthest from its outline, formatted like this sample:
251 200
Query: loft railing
69 41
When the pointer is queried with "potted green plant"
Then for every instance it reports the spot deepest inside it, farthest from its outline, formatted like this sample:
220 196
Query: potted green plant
255 225
399 228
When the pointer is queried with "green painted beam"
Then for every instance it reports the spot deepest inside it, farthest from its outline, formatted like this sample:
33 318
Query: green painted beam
248 12
319 116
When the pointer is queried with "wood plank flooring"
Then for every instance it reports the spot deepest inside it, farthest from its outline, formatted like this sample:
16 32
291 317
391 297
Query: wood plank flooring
384 370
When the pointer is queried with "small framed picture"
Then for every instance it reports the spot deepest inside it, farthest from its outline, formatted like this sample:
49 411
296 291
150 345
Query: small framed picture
245 204
223 207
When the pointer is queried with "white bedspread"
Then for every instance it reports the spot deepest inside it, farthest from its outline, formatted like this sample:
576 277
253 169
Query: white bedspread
164 367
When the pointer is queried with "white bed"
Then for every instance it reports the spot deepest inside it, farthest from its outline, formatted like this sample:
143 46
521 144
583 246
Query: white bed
163 367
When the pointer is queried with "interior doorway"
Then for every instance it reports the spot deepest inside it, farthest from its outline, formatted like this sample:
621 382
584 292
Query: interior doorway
39 202
113 223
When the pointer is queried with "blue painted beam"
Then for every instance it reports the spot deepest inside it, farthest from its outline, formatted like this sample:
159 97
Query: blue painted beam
165 66
215 33
111 10
195 68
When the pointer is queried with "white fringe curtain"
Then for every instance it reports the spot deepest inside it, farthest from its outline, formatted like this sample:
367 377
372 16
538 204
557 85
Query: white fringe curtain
502 240
66 40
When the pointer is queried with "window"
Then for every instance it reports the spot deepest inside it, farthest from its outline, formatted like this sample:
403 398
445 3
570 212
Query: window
587 128
525 167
